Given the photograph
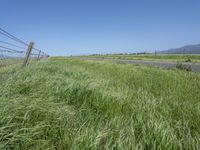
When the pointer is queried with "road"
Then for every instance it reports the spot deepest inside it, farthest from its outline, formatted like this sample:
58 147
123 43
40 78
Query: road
195 66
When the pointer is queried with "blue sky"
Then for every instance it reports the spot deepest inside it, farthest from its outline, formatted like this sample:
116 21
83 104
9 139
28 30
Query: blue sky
71 27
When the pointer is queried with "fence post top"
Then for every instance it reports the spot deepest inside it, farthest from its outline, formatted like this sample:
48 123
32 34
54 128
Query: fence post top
31 43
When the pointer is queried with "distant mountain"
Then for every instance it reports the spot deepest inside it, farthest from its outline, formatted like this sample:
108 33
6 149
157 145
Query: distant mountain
189 49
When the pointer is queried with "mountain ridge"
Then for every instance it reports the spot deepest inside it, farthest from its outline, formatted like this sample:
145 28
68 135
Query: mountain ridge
187 49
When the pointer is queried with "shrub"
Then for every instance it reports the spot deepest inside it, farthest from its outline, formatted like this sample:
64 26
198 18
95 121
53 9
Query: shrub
183 67
188 60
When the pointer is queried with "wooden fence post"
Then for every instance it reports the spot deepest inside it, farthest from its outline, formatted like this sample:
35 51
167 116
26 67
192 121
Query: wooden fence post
38 56
28 53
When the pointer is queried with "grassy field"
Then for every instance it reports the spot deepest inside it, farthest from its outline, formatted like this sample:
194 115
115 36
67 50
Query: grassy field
10 61
72 104
170 57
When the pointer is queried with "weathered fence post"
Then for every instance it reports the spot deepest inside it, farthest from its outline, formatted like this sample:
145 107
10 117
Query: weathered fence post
38 56
28 53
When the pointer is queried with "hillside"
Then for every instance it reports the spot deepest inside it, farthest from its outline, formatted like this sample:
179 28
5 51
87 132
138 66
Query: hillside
189 49
74 104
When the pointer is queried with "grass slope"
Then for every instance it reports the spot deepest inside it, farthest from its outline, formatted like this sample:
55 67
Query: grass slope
73 104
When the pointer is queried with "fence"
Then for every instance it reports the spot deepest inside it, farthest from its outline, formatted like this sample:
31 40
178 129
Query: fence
15 51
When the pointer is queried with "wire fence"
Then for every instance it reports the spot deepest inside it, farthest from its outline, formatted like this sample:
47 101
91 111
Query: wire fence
14 50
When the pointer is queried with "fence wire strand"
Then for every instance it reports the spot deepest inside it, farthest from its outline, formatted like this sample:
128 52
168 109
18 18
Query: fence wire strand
12 54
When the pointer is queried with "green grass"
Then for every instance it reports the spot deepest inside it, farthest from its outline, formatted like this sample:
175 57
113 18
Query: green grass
170 57
73 104
10 61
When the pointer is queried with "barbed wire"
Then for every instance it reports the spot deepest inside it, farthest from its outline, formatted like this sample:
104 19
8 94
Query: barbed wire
9 35
10 44
10 49
10 55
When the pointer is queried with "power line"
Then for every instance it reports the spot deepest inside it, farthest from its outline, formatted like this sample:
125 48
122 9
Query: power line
7 34
13 45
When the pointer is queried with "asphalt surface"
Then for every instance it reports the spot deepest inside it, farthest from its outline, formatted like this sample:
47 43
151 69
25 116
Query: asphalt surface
195 66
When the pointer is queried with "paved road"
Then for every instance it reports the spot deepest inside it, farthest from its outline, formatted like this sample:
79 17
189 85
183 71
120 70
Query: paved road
164 64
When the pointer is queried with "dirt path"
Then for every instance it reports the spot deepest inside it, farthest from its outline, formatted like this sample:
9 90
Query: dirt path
195 66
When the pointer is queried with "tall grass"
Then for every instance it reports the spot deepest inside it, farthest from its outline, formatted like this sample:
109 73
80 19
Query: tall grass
74 104
10 61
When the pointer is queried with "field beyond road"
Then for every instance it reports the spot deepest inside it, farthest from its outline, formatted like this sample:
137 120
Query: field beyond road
151 57
67 103
194 66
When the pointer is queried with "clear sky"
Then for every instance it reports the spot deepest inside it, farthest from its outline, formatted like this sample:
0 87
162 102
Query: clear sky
65 27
